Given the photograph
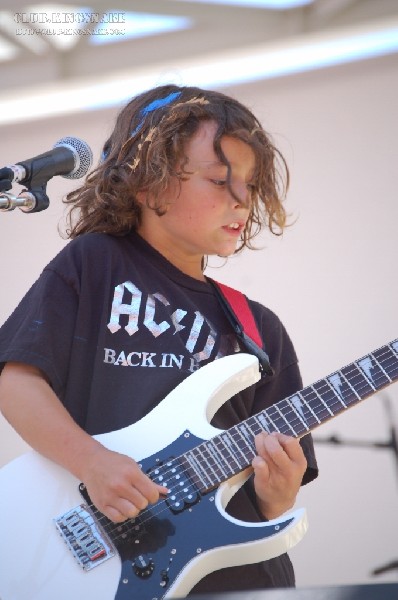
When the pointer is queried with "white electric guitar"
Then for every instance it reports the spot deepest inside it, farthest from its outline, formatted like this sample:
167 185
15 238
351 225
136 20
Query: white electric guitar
54 544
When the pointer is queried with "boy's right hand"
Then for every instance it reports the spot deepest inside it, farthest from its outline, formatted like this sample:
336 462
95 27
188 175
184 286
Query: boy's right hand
114 482
117 486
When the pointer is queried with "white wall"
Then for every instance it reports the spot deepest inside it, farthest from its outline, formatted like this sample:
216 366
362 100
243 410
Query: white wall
331 278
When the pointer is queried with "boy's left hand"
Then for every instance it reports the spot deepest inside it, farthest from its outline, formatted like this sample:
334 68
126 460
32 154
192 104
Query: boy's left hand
278 471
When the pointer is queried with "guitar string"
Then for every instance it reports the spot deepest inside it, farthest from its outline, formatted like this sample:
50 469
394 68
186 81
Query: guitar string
209 460
382 376
149 512
342 403
379 375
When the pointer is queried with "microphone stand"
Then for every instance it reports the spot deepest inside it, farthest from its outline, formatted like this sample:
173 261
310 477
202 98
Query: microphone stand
391 443
29 200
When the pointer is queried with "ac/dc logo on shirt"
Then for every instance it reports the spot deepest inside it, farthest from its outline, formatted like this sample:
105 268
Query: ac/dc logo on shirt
142 311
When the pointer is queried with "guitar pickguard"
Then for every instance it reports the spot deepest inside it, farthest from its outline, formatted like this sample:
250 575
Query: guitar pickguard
165 538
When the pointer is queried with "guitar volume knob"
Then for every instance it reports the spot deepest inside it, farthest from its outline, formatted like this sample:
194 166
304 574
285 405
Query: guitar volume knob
143 566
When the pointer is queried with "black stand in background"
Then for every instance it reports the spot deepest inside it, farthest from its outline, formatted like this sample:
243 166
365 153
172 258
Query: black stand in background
389 444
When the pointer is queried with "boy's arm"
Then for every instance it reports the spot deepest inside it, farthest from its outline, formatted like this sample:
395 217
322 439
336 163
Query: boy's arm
115 483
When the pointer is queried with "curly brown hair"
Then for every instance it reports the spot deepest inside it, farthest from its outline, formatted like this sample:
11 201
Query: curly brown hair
147 148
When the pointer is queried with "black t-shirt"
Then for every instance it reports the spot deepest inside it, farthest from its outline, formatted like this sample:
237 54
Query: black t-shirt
115 327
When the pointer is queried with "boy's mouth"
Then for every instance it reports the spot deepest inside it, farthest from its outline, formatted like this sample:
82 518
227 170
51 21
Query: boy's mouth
234 227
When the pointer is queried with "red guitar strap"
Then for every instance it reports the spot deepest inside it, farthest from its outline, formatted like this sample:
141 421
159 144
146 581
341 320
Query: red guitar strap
239 313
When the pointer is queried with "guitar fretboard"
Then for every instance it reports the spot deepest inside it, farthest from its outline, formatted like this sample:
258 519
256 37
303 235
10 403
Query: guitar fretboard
228 453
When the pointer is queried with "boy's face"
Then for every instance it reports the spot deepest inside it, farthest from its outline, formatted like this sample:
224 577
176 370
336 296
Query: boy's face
202 216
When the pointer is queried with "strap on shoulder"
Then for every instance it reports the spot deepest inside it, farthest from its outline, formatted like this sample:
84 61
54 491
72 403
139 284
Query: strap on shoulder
240 315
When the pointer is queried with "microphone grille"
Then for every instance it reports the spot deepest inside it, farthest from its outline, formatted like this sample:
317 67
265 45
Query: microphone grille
82 154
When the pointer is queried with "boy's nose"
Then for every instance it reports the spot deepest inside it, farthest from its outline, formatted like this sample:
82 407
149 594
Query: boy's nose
241 195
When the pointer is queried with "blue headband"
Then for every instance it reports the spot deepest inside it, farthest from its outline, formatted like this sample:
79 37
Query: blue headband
154 105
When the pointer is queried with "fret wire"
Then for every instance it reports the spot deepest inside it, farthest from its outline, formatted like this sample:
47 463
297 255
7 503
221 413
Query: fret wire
377 376
264 427
336 394
388 359
296 422
196 452
287 423
249 439
321 399
253 435
298 414
220 448
262 422
255 424
249 450
376 380
192 463
364 373
359 368
276 418
202 448
300 394
393 353
229 435
332 406
355 373
383 362
209 461
300 406
212 476
390 350
215 454
315 403
360 387
358 380
350 386
266 411
227 447
242 437
385 373
353 379
394 346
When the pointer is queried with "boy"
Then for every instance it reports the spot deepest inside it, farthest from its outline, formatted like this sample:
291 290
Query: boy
125 312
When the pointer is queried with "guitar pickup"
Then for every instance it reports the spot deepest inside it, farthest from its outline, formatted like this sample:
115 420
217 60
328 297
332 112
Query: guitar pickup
183 492
84 537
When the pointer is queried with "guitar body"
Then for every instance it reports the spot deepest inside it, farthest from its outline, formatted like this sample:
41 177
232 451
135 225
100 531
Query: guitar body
169 547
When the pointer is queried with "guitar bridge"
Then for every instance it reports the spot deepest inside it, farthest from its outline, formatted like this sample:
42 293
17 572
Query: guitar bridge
84 537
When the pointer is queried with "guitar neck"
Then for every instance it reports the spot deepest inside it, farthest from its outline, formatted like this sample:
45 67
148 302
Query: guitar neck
228 453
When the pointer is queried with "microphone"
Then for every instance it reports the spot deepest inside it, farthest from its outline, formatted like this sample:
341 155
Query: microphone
70 157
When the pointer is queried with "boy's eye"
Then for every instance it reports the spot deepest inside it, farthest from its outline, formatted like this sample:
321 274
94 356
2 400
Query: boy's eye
219 182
